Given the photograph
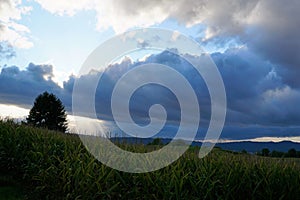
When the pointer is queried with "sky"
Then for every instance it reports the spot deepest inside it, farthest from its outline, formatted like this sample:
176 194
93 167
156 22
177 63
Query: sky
254 44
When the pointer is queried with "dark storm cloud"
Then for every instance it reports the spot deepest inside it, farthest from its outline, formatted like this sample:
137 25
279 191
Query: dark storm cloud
149 95
20 87
256 93
258 98
275 36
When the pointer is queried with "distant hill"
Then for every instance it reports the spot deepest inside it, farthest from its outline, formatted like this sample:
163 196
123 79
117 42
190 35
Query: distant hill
251 147
257 146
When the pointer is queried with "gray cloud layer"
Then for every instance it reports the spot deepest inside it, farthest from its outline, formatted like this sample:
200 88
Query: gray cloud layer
270 28
20 87
256 93
261 78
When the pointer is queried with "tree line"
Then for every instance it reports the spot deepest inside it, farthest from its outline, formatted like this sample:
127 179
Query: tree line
291 153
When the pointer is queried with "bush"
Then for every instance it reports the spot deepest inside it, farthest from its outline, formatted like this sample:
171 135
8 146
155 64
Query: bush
156 141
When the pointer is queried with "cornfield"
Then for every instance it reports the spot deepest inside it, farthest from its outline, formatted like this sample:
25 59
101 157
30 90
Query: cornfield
52 165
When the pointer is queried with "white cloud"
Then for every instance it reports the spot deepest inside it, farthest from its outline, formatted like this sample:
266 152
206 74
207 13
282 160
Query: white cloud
10 30
65 7
222 18
121 15
278 93
175 35
110 13
117 15
12 111
14 37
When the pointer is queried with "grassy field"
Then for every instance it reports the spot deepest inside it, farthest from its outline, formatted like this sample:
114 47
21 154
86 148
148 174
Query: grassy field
42 164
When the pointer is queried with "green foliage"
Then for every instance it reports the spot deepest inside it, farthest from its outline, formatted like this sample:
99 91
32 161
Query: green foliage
156 141
48 112
9 188
265 152
277 154
52 165
292 153
244 151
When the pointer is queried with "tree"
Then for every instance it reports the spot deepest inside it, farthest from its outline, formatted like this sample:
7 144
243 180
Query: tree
244 151
277 154
156 141
48 112
265 152
292 153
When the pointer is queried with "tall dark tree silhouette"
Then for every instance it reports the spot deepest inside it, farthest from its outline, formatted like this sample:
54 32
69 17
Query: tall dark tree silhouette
48 112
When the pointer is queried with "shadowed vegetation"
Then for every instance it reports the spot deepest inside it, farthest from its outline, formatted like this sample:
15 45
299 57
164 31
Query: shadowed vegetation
53 165
48 112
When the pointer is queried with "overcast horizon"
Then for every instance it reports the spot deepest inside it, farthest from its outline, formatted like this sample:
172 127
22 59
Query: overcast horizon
254 44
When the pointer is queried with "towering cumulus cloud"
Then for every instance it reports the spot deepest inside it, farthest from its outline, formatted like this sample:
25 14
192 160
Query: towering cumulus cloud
22 86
